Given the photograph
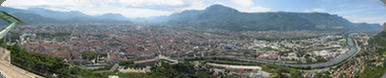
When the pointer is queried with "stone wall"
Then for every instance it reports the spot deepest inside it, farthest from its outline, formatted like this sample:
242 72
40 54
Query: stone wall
5 55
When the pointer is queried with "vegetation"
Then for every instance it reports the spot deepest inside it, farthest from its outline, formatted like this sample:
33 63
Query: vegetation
377 50
322 75
88 55
38 63
282 72
48 66
180 70
45 65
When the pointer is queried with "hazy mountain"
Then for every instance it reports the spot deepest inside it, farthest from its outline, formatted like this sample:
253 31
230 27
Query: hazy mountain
215 16
112 16
44 16
153 19
222 17
384 27
56 14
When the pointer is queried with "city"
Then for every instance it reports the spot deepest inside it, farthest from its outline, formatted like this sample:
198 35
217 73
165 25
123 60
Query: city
118 43
192 39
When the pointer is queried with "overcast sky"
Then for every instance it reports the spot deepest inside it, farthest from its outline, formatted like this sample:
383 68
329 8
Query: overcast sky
371 11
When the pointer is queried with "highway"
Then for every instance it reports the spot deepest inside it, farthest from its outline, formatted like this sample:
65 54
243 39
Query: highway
353 50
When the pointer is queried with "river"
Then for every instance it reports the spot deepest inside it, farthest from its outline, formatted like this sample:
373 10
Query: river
351 52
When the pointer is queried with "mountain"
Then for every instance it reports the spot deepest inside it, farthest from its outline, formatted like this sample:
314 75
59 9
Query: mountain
223 17
112 16
384 27
44 16
215 17
56 14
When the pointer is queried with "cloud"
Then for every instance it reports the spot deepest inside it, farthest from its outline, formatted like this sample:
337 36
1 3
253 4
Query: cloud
194 5
243 2
131 8
255 9
316 10
248 6
367 19
98 7
140 3
362 15
355 11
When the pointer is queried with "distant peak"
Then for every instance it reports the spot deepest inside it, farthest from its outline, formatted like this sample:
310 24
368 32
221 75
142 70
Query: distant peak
219 7
37 9
216 6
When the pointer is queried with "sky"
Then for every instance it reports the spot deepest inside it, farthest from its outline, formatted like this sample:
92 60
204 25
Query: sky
358 11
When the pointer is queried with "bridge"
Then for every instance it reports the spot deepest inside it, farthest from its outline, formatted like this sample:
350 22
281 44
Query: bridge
172 61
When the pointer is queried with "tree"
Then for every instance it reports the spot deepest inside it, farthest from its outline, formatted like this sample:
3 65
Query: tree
88 55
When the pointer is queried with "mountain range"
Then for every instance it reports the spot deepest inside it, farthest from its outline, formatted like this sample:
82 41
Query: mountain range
219 16
44 16
213 17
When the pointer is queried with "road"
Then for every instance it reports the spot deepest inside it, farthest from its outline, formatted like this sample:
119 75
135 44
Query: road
112 69
235 66
353 50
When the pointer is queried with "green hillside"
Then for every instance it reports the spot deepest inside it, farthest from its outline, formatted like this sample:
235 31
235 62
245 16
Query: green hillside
377 52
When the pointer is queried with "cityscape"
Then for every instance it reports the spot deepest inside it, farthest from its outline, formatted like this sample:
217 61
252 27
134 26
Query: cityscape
221 40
